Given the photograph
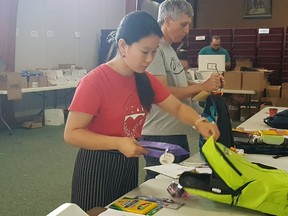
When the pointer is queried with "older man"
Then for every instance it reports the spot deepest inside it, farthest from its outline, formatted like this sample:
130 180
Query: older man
174 17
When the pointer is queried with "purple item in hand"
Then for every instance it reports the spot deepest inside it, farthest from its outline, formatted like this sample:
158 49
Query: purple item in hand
156 149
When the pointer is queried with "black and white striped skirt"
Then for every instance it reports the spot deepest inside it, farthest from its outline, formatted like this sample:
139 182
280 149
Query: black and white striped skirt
100 177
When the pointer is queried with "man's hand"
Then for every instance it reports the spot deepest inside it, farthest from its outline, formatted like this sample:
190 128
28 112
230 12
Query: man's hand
214 83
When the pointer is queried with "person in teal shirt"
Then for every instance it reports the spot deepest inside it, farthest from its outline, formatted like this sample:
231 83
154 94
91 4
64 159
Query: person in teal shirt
215 49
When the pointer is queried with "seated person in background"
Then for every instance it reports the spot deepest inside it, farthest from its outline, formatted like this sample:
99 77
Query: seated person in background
215 49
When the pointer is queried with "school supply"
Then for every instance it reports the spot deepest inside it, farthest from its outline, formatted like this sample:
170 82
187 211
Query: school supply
238 182
157 149
135 205
271 131
261 142
162 202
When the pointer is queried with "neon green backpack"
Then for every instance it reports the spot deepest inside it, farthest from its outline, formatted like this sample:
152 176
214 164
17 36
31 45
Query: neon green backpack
236 181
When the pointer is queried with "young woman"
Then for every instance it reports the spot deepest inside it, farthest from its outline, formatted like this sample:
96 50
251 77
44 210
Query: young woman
108 111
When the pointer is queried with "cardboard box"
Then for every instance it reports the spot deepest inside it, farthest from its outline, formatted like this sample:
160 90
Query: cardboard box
282 102
270 100
54 76
233 80
273 91
284 90
54 117
240 62
31 124
11 81
37 81
67 66
24 82
279 102
253 81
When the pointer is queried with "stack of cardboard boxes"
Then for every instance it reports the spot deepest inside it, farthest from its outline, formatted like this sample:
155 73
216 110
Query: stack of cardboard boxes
11 81
64 74
246 80
276 95
284 91
33 79
252 80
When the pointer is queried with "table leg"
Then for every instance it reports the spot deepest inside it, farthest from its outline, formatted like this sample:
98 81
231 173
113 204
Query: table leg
4 101
249 105
43 109
6 124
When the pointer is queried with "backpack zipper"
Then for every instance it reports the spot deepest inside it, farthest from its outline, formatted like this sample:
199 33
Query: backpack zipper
228 161
237 193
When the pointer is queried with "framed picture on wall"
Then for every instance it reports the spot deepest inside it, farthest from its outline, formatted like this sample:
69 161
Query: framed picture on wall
255 9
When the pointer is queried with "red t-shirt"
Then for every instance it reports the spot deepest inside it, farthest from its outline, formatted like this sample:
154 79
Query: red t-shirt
114 102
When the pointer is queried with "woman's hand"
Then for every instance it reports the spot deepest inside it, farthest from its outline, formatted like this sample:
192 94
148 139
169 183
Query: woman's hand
207 129
131 148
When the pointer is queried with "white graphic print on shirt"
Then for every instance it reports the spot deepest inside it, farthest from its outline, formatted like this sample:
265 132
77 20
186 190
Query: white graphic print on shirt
134 118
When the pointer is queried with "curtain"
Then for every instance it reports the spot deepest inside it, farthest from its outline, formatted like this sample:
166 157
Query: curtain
8 19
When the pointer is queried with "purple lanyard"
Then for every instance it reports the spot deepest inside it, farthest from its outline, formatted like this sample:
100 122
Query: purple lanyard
156 149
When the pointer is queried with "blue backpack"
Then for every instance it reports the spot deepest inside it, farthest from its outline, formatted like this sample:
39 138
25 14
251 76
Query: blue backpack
280 120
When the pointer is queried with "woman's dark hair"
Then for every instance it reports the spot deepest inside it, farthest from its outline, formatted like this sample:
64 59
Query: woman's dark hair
133 27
